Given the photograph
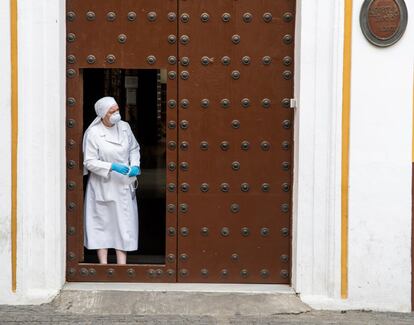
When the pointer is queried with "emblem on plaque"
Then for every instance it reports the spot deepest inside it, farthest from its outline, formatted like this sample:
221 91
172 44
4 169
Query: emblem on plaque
383 22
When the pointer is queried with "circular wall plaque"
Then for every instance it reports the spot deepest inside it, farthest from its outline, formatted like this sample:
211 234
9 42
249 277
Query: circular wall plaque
383 22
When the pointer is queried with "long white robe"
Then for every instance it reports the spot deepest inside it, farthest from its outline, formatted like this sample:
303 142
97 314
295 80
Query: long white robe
110 209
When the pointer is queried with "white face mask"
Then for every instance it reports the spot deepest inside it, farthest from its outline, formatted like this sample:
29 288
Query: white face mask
115 118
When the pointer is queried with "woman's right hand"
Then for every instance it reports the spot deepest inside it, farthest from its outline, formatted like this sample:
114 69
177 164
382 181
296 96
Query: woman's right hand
119 168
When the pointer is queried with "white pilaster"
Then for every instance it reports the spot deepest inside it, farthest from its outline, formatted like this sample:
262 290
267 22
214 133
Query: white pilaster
318 82
41 151
5 150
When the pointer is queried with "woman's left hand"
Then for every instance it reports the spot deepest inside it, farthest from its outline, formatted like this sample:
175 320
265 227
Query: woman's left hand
135 170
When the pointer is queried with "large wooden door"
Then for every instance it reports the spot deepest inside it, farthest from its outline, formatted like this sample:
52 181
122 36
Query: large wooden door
229 134
235 139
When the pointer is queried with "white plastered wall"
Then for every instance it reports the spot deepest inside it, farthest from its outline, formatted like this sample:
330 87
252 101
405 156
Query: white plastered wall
380 171
380 164
317 173
5 156
41 153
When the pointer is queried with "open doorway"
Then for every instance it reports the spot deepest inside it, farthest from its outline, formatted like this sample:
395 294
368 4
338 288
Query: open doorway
140 94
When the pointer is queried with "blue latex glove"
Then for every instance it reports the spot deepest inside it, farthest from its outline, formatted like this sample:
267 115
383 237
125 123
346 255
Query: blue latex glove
135 170
119 168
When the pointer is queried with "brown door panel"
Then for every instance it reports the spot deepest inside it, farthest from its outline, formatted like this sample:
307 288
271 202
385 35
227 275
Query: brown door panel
128 34
235 183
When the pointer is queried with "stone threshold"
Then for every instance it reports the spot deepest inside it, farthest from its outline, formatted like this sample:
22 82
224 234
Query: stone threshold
180 287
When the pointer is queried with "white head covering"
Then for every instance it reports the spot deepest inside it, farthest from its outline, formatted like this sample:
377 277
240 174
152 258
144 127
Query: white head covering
102 107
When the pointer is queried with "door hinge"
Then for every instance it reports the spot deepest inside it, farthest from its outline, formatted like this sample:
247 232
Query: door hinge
293 103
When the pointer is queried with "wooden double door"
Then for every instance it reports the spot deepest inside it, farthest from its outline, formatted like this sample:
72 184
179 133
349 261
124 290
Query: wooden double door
228 124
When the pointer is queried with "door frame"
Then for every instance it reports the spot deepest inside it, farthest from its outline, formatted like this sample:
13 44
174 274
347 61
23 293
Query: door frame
326 67
82 271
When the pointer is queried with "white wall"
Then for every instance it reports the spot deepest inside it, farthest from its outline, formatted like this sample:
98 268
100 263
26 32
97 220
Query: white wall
317 210
5 142
380 170
41 152
380 165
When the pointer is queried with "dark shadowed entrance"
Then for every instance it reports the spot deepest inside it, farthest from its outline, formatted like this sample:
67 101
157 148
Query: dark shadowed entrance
140 95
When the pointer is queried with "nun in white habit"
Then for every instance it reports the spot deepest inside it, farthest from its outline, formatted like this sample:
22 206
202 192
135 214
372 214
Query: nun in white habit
112 156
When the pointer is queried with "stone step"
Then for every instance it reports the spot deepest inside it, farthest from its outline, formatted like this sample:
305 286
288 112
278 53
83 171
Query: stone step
183 302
